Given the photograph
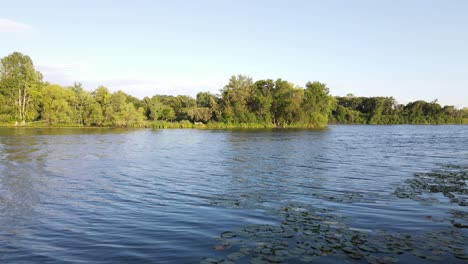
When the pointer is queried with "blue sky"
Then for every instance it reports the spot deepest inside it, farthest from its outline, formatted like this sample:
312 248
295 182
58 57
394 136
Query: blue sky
407 49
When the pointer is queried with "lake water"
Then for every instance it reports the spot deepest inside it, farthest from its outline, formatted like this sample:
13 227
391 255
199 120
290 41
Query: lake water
352 194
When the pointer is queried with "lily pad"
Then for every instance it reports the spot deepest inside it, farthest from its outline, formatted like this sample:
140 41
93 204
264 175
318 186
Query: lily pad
236 256
228 234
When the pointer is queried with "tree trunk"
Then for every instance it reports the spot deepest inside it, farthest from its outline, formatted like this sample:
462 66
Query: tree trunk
24 104
19 105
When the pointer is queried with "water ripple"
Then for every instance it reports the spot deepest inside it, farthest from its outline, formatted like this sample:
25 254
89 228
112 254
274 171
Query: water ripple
165 196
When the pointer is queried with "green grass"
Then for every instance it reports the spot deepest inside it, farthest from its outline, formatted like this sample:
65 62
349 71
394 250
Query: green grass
177 125
167 124
219 125
173 125
3 124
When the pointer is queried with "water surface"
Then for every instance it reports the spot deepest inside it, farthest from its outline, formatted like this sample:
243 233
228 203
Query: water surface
168 196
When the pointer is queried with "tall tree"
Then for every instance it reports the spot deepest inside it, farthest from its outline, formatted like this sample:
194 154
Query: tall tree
317 104
19 84
286 106
103 97
261 100
79 102
236 95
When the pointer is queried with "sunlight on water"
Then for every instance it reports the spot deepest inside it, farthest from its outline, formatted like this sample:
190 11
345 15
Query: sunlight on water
377 194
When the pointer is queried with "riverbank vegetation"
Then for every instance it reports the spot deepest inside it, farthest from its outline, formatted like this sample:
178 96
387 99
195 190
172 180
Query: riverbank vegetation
385 110
26 99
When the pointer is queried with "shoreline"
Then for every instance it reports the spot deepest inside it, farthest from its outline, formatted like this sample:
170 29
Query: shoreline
216 126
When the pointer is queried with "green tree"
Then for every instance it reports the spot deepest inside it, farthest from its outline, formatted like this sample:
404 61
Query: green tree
19 85
210 101
83 105
286 105
55 107
200 114
261 100
235 96
464 115
317 104
94 115
167 113
124 113
102 97
177 104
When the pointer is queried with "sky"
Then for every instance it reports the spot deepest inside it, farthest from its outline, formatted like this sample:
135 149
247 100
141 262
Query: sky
410 50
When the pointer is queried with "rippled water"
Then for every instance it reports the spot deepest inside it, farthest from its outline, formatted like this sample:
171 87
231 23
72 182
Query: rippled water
168 196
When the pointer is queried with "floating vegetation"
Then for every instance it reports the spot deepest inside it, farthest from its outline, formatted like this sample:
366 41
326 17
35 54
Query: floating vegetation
347 197
263 200
451 182
305 233
308 234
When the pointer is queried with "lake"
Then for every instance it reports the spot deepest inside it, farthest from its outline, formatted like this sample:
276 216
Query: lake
356 194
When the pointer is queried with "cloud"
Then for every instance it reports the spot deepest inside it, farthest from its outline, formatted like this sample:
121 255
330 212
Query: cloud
138 85
141 86
10 26
63 74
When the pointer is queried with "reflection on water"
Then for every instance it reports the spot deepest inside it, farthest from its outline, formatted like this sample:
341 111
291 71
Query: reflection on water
184 196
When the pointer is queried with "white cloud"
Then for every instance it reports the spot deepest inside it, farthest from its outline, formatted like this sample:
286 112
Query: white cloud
10 26
138 85
63 74
141 86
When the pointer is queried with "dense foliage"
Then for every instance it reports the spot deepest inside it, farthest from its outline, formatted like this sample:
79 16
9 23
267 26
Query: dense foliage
25 98
385 110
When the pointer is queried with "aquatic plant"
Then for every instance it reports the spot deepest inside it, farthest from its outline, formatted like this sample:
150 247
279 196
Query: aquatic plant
305 233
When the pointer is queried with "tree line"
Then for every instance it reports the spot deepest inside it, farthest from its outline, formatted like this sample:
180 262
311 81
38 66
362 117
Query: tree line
385 110
26 98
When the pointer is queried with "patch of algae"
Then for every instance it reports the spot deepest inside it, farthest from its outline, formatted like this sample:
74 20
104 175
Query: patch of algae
307 234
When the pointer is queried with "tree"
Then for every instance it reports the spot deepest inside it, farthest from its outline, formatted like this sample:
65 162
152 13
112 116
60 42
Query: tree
81 103
167 113
94 115
177 104
286 106
464 115
236 95
200 114
317 104
19 85
4 109
123 113
261 100
25 97
87 111
102 97
210 101
153 107
55 107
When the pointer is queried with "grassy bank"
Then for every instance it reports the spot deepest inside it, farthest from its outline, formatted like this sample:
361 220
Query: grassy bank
167 125
182 124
